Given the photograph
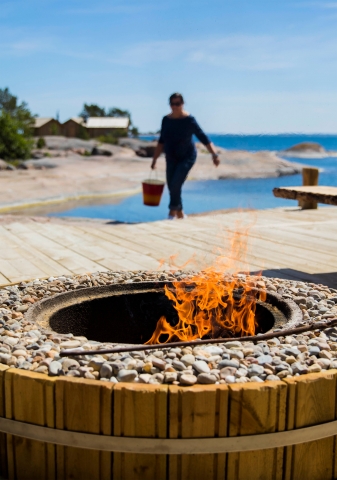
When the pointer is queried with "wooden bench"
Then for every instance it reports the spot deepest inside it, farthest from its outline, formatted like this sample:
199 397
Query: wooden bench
316 194
310 194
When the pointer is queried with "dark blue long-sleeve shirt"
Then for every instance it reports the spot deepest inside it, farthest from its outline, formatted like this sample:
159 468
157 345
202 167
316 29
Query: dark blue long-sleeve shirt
176 135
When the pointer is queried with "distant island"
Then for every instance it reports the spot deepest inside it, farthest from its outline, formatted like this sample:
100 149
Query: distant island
308 150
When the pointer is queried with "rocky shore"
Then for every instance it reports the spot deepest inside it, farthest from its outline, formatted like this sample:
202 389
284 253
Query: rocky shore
25 345
74 169
308 150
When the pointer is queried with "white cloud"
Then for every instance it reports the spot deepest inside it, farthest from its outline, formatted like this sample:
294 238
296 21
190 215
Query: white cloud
325 5
234 52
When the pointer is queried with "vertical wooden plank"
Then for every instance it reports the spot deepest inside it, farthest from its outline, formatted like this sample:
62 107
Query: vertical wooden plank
312 402
140 411
83 406
3 439
29 398
197 412
256 408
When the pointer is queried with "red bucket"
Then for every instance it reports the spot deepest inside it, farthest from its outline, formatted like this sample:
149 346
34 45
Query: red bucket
152 192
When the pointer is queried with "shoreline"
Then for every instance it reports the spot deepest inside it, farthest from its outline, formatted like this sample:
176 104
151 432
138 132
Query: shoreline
65 176
62 200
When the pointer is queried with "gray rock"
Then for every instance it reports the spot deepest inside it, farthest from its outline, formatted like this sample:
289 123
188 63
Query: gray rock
314 350
224 372
187 379
187 359
159 363
254 370
70 344
159 377
230 379
170 377
201 367
73 373
105 371
125 375
212 350
178 365
55 368
96 363
297 367
229 363
69 363
254 378
206 378
236 354
262 359
291 351
144 377
271 378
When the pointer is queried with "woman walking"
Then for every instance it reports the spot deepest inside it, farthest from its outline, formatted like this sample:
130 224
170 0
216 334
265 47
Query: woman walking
177 130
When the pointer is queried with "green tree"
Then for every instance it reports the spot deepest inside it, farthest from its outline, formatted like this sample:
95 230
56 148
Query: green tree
134 132
16 127
92 110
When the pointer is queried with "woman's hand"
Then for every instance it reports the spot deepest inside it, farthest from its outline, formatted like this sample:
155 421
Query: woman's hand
216 159
153 164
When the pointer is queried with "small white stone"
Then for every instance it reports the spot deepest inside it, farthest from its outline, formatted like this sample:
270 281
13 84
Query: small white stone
201 366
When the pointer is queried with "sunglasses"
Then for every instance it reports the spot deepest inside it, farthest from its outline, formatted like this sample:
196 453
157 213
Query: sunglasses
175 104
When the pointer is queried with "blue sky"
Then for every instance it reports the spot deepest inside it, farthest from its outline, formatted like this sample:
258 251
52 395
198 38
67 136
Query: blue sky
243 66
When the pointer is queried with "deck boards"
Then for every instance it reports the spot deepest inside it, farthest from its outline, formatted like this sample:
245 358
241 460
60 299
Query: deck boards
286 242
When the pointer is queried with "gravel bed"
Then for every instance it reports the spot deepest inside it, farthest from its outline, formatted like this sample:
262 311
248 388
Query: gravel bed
26 346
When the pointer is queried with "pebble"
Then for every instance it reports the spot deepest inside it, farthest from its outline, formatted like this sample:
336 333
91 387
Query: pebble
105 371
187 379
254 370
213 350
69 363
188 359
55 368
178 365
158 363
206 378
255 379
125 375
201 367
315 368
230 379
170 377
263 359
229 363
26 346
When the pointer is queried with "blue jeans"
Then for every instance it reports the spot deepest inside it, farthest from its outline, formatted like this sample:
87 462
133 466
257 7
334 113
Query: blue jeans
176 174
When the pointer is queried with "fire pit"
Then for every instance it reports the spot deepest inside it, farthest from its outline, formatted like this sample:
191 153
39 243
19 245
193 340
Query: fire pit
129 314
268 410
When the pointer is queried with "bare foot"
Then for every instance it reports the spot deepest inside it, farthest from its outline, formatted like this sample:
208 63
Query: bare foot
180 214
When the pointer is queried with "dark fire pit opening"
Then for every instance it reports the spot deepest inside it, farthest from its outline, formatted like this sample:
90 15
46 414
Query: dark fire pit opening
128 313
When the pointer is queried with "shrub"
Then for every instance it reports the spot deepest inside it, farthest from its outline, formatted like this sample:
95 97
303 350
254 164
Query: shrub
41 143
16 127
13 143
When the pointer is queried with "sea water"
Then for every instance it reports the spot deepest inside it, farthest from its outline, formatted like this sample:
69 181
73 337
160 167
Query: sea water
203 196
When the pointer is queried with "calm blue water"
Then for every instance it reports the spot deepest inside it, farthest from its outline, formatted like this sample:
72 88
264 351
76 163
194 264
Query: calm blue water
203 196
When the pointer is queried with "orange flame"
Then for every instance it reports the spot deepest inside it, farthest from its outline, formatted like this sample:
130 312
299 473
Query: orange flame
212 304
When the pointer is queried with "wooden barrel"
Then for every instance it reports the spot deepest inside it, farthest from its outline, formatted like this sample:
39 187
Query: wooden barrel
160 412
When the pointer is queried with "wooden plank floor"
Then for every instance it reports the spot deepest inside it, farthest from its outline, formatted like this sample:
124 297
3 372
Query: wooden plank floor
287 243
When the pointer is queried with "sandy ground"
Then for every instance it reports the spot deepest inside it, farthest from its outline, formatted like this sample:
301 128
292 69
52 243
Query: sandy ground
77 176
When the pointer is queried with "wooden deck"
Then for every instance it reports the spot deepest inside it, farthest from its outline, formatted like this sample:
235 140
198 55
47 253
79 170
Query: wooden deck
286 243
